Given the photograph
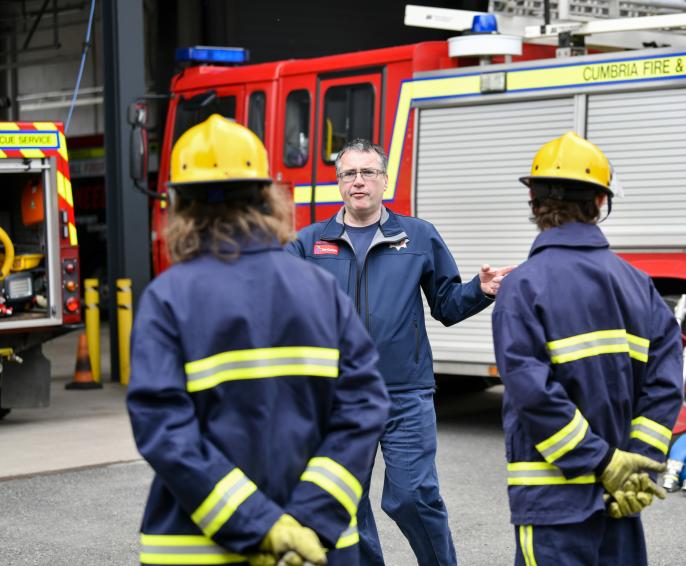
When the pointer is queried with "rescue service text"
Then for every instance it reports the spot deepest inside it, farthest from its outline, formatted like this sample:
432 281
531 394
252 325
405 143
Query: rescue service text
24 140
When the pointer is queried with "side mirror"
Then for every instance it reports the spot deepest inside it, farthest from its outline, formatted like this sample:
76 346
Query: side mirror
139 152
138 116
142 115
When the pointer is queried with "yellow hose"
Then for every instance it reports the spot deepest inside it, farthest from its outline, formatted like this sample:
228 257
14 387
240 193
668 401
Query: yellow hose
9 254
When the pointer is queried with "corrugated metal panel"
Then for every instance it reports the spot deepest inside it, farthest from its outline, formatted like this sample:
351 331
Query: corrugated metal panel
644 136
469 160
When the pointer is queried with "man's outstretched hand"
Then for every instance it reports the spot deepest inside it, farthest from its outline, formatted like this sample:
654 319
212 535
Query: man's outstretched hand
491 277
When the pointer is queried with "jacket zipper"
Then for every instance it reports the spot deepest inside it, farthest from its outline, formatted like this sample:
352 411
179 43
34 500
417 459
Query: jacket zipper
416 343
358 295
366 296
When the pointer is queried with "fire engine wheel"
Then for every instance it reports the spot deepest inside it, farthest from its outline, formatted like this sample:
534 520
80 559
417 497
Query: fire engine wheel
9 254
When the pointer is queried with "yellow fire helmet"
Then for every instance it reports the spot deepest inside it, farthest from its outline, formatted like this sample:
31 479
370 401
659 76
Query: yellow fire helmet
572 158
218 151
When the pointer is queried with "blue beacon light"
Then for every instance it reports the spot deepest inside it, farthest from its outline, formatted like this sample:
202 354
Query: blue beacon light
484 23
202 54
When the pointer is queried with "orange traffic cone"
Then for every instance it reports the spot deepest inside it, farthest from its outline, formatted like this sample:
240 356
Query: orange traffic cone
83 376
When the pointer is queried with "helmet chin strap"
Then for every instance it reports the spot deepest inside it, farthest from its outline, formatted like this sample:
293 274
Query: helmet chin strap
609 209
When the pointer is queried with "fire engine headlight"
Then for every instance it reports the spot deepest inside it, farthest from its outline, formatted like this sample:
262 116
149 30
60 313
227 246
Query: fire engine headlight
18 286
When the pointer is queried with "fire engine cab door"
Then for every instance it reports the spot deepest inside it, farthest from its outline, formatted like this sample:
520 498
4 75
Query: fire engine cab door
348 107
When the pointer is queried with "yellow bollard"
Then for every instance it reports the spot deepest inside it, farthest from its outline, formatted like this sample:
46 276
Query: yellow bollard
124 323
91 301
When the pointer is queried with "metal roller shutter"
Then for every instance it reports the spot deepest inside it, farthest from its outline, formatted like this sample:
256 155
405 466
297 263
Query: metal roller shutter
468 163
644 136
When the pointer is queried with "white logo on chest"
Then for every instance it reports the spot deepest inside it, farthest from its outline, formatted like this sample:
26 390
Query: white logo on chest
400 244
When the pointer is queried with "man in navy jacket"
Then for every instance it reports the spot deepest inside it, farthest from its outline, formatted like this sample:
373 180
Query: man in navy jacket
383 261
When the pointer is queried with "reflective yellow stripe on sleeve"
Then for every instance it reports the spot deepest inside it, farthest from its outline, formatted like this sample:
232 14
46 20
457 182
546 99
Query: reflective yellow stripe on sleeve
183 550
335 480
350 536
651 433
261 363
565 439
223 501
541 473
597 343
638 347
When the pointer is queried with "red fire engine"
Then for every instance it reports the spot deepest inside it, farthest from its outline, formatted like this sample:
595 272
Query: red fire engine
459 135
304 111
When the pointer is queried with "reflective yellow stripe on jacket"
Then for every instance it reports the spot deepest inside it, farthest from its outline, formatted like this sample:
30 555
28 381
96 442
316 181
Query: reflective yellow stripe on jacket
565 439
335 480
597 343
261 363
182 550
651 433
222 502
541 473
350 536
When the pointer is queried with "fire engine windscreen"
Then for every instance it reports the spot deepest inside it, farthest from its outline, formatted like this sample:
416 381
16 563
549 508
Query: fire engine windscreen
196 109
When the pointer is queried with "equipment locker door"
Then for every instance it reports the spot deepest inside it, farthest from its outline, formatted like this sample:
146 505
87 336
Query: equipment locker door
643 133
467 165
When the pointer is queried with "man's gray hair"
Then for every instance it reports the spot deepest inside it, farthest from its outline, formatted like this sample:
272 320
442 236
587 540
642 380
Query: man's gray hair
364 146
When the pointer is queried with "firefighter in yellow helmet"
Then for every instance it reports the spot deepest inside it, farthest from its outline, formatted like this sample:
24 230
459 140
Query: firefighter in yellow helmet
590 357
254 394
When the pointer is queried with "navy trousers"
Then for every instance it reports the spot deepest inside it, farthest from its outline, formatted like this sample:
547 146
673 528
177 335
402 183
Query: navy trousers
598 541
410 492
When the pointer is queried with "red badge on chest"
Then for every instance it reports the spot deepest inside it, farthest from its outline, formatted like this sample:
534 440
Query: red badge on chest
325 248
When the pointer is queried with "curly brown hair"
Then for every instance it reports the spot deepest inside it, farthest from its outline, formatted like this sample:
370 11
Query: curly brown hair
551 213
196 227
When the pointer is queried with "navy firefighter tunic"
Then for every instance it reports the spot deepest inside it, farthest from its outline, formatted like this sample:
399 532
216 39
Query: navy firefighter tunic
590 356
253 393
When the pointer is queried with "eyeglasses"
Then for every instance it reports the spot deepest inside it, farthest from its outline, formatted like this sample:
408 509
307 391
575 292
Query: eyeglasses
367 175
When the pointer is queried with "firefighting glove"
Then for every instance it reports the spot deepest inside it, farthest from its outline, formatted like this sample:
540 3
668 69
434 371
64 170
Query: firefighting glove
292 558
262 559
622 465
636 494
289 535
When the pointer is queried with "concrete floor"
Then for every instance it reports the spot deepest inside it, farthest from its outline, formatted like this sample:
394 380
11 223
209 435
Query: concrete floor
72 485
79 429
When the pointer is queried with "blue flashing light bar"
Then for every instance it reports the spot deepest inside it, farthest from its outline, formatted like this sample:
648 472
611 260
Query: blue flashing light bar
202 54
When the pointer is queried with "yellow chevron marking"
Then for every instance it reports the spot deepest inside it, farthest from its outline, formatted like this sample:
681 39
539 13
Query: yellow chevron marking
32 153
64 184
63 143
72 235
